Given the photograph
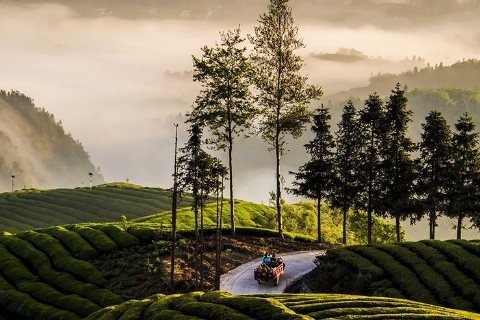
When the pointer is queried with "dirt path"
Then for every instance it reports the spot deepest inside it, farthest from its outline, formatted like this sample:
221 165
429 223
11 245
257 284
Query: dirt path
240 280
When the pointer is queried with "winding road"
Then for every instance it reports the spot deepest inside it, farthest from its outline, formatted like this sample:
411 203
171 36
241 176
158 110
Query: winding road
240 280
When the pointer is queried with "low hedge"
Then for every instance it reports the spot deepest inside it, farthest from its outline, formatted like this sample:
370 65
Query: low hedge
26 307
188 305
46 294
429 276
406 281
13 269
62 259
259 308
97 238
78 246
461 257
121 237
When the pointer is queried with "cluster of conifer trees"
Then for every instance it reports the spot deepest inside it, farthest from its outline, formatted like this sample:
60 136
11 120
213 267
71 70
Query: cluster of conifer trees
371 164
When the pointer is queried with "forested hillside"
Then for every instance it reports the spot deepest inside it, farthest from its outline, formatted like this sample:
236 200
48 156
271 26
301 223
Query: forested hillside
460 75
36 149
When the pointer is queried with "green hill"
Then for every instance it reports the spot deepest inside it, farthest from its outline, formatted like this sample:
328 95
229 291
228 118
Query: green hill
36 149
222 305
32 208
442 273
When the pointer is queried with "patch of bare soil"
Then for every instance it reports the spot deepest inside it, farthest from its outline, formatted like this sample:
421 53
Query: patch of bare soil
140 271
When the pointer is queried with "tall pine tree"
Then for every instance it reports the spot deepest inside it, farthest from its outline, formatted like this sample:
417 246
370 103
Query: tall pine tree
188 176
397 163
372 125
435 160
346 163
314 179
463 193
282 92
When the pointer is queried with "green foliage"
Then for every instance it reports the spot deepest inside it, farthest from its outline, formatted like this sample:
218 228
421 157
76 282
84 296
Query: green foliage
435 149
347 162
222 305
74 242
283 94
436 272
315 179
464 174
97 238
119 235
61 258
397 163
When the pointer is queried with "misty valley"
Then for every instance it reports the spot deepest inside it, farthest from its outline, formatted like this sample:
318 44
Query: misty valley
208 159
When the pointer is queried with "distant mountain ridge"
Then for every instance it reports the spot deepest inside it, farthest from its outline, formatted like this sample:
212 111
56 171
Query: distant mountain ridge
460 75
36 149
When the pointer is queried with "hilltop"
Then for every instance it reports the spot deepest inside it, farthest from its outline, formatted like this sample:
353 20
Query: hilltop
36 149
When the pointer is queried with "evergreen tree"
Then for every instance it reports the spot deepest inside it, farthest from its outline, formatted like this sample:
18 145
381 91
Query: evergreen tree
435 159
189 180
314 179
463 193
224 105
346 162
283 94
372 131
397 163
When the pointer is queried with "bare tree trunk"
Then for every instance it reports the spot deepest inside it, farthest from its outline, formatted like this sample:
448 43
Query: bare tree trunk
174 215
459 226
432 225
345 211
201 237
218 251
232 200
397 227
197 236
279 189
319 220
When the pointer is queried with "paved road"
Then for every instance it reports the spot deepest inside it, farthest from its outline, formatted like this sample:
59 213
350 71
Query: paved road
240 280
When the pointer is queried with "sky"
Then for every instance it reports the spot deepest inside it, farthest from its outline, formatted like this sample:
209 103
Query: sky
118 84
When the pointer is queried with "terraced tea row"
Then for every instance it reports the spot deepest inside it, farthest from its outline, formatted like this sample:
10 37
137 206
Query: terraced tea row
43 274
436 272
224 306
30 209
46 273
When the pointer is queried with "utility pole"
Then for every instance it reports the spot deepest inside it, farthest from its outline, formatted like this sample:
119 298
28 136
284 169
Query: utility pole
91 180
13 182
174 213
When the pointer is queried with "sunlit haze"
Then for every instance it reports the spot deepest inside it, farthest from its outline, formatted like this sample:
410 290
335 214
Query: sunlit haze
118 84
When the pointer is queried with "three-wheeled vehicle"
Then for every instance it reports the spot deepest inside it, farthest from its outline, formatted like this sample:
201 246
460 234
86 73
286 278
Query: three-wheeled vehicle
271 271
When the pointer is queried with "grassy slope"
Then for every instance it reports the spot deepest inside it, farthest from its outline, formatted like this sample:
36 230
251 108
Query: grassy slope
220 305
29 209
443 273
